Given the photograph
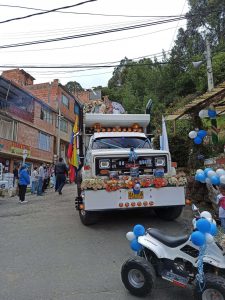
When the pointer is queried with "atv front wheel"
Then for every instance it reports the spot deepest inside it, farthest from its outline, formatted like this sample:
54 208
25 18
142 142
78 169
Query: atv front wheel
169 213
214 288
138 276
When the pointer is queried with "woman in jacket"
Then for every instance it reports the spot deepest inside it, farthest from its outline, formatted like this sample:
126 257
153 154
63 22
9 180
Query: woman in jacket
24 180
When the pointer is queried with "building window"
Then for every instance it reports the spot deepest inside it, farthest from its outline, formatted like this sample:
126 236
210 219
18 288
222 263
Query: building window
8 129
63 125
46 115
65 101
44 141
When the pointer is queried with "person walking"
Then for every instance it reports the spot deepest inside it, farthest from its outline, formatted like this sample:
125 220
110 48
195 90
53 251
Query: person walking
41 176
61 171
24 180
34 178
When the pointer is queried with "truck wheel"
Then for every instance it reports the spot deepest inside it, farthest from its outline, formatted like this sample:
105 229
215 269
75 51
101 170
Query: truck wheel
169 213
88 217
138 276
214 288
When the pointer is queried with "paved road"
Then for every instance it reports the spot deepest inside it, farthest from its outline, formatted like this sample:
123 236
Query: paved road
46 253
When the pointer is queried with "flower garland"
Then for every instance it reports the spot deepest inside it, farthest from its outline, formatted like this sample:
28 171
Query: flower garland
127 182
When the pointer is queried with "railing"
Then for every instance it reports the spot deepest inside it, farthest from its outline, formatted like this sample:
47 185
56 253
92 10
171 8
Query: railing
21 113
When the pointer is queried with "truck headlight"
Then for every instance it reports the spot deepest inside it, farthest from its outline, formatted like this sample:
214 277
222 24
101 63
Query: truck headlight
160 161
104 164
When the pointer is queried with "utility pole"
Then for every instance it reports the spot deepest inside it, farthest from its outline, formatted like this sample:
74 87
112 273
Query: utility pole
209 66
58 134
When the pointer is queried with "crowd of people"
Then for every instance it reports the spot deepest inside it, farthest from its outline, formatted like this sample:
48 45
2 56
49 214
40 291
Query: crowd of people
41 177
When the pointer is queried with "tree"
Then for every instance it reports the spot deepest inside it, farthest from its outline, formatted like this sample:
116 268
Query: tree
73 87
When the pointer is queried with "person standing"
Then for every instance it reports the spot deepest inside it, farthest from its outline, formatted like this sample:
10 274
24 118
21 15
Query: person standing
24 180
61 171
15 176
41 176
34 178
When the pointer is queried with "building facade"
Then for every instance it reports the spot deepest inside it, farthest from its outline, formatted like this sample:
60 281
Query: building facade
35 119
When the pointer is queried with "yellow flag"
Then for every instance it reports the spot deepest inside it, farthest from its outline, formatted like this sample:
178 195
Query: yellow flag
74 160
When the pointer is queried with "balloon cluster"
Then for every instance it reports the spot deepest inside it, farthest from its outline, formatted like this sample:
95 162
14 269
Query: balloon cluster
210 176
207 113
197 136
205 230
132 236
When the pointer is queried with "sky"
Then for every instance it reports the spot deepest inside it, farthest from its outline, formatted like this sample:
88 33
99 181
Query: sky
105 49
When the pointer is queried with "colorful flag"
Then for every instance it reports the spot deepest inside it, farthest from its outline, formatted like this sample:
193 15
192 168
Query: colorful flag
72 150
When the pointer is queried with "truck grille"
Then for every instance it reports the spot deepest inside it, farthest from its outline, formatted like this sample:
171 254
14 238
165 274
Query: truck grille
146 165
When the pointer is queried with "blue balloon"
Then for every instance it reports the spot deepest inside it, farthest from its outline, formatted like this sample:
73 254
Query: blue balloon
200 177
135 245
197 140
202 133
207 170
203 225
215 180
213 229
211 113
198 238
139 230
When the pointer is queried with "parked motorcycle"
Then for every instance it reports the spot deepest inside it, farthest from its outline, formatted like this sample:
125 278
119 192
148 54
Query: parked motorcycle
185 260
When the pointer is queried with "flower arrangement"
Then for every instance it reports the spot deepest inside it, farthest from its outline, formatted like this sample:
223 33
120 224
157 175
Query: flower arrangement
127 182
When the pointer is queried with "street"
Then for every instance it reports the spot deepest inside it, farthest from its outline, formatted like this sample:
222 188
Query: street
46 253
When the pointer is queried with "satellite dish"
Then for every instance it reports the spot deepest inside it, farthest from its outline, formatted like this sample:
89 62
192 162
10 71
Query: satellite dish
197 64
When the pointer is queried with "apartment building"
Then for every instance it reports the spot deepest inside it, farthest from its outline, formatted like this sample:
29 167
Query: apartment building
30 117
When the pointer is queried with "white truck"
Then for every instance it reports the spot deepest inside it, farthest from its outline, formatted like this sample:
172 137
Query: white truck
119 169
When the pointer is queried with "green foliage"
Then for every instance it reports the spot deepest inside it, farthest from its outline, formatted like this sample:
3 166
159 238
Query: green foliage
73 87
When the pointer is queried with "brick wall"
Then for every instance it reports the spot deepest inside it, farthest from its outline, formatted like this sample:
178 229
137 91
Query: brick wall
19 76
43 124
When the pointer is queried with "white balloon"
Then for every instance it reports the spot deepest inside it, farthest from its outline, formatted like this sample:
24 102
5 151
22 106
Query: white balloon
203 113
222 179
209 238
199 171
220 172
194 223
211 173
208 181
206 214
130 236
192 134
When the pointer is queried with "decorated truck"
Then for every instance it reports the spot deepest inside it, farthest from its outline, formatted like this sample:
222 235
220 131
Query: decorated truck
122 171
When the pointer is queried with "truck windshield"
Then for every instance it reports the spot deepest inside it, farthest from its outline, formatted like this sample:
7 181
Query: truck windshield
121 142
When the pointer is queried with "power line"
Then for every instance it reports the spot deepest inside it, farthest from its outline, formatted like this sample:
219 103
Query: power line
46 12
91 33
92 14
90 44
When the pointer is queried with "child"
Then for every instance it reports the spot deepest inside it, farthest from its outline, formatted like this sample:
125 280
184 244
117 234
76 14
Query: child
221 202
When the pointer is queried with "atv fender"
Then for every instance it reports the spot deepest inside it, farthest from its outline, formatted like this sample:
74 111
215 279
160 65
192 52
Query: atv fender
148 242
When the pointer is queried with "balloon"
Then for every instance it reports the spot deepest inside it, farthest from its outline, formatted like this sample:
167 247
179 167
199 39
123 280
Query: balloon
206 214
213 229
209 238
208 181
203 113
199 171
200 177
130 236
194 223
197 140
203 225
198 238
222 179
215 180
211 173
211 113
220 172
207 170
202 133
139 230
192 134
135 245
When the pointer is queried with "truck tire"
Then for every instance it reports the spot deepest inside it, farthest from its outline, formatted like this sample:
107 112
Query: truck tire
138 276
169 213
88 217
214 288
